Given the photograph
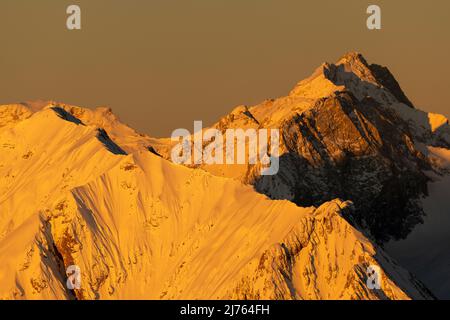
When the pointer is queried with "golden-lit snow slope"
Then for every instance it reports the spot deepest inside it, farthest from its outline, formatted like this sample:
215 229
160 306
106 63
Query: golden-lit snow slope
41 157
141 227
101 117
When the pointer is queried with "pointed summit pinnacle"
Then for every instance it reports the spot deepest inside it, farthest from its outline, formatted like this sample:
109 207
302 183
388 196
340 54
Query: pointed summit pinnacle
352 58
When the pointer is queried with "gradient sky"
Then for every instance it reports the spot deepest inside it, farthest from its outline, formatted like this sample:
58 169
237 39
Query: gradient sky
161 64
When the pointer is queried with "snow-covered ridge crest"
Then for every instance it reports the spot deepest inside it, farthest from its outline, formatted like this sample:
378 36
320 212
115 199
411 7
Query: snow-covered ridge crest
141 227
354 74
100 117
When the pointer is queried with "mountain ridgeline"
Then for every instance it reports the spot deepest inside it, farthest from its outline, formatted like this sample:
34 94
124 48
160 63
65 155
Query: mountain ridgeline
78 187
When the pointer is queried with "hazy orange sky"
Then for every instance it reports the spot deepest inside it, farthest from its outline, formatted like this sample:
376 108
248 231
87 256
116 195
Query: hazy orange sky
160 64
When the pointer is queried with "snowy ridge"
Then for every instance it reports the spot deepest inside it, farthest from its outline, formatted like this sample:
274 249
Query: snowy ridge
141 227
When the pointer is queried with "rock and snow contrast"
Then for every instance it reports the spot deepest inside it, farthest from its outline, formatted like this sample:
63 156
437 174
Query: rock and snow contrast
78 187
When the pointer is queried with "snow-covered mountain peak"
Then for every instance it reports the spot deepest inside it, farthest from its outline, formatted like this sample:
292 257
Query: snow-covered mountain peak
347 131
352 73
102 118
354 62
77 186
353 57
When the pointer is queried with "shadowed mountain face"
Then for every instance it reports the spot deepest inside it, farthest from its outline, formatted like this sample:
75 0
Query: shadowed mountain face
350 149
